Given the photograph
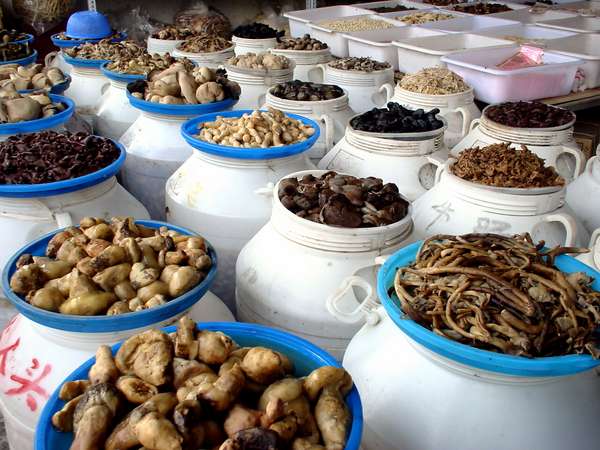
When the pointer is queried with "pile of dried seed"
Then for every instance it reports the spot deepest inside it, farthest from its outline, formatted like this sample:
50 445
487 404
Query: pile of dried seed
529 115
174 33
204 44
11 52
363 64
500 294
482 8
306 92
145 63
503 166
264 61
434 81
106 50
343 200
389 9
257 31
424 17
397 119
303 43
49 156
355 24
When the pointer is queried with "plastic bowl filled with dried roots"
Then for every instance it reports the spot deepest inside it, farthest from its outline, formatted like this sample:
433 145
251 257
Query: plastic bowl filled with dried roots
497 303
226 386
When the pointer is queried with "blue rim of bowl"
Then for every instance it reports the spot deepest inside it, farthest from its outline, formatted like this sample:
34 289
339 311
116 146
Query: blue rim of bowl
23 61
269 334
551 366
28 40
68 43
107 324
121 77
85 63
45 123
190 128
179 110
65 186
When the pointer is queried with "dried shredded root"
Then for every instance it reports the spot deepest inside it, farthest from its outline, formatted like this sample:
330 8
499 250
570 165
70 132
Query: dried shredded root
434 81
502 294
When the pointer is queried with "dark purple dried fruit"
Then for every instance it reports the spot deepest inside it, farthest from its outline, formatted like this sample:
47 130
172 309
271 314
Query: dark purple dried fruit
397 119
482 8
257 31
306 92
340 212
529 115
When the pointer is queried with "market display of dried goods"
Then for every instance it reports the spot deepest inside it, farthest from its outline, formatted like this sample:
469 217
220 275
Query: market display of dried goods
424 17
362 64
443 2
12 35
35 76
48 156
264 60
172 32
11 51
204 20
178 85
305 91
502 294
397 119
529 115
482 8
106 50
355 24
259 129
501 165
204 44
145 63
200 389
111 268
343 200
389 9
302 43
434 81
15 107
257 31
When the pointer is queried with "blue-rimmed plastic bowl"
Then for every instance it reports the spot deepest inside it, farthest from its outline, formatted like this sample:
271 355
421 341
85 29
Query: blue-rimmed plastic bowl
120 77
191 128
45 123
22 61
68 43
305 356
464 354
180 110
105 324
27 40
84 63
57 89
88 24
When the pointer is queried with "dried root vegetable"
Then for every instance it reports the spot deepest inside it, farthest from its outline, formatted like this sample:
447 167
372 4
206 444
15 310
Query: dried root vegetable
434 81
106 50
157 392
501 294
205 44
501 165
145 63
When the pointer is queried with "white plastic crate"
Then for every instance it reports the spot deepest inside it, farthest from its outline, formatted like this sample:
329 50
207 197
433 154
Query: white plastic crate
585 47
418 53
551 79
529 15
299 20
338 40
579 24
538 36
378 43
468 24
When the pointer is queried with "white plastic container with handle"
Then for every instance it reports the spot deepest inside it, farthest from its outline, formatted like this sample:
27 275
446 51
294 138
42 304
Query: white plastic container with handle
584 190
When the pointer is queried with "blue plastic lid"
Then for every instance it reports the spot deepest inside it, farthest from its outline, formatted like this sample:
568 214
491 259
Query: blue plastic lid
23 61
64 186
305 356
179 110
105 324
88 24
122 77
68 43
551 366
191 128
85 63
45 123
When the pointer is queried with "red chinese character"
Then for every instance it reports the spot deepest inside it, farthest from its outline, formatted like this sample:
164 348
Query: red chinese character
4 355
30 386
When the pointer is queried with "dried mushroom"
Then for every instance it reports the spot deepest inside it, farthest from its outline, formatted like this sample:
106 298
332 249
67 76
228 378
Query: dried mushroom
111 268
15 107
204 44
172 33
35 76
106 49
145 63
262 61
165 395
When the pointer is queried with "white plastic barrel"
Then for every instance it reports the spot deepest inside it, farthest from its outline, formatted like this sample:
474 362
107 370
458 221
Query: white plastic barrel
207 59
409 160
421 391
256 82
245 45
293 271
583 192
155 148
224 193
162 46
305 60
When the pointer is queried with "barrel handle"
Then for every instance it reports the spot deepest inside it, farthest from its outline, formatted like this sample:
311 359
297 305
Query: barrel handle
50 57
63 219
594 239
318 68
262 98
568 222
578 159
467 118
589 167
388 88
266 191
439 164
474 124
329 125
366 310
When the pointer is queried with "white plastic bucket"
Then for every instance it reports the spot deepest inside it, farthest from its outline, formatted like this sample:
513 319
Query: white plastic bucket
162 46
583 192
256 83
458 109
208 59
293 271
457 206
305 60
366 90
244 45
592 258
410 162
331 115
155 148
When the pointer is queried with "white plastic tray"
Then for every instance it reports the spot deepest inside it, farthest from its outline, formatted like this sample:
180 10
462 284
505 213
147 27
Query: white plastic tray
338 40
540 36
378 43
585 47
408 4
468 24
478 68
529 15
579 24
418 53
299 20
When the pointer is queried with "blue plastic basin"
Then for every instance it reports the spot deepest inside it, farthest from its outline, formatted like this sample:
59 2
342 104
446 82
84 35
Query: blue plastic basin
88 24
22 61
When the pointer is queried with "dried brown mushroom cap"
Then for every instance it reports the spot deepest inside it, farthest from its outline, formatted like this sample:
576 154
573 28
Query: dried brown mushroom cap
147 355
252 438
265 366
104 369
